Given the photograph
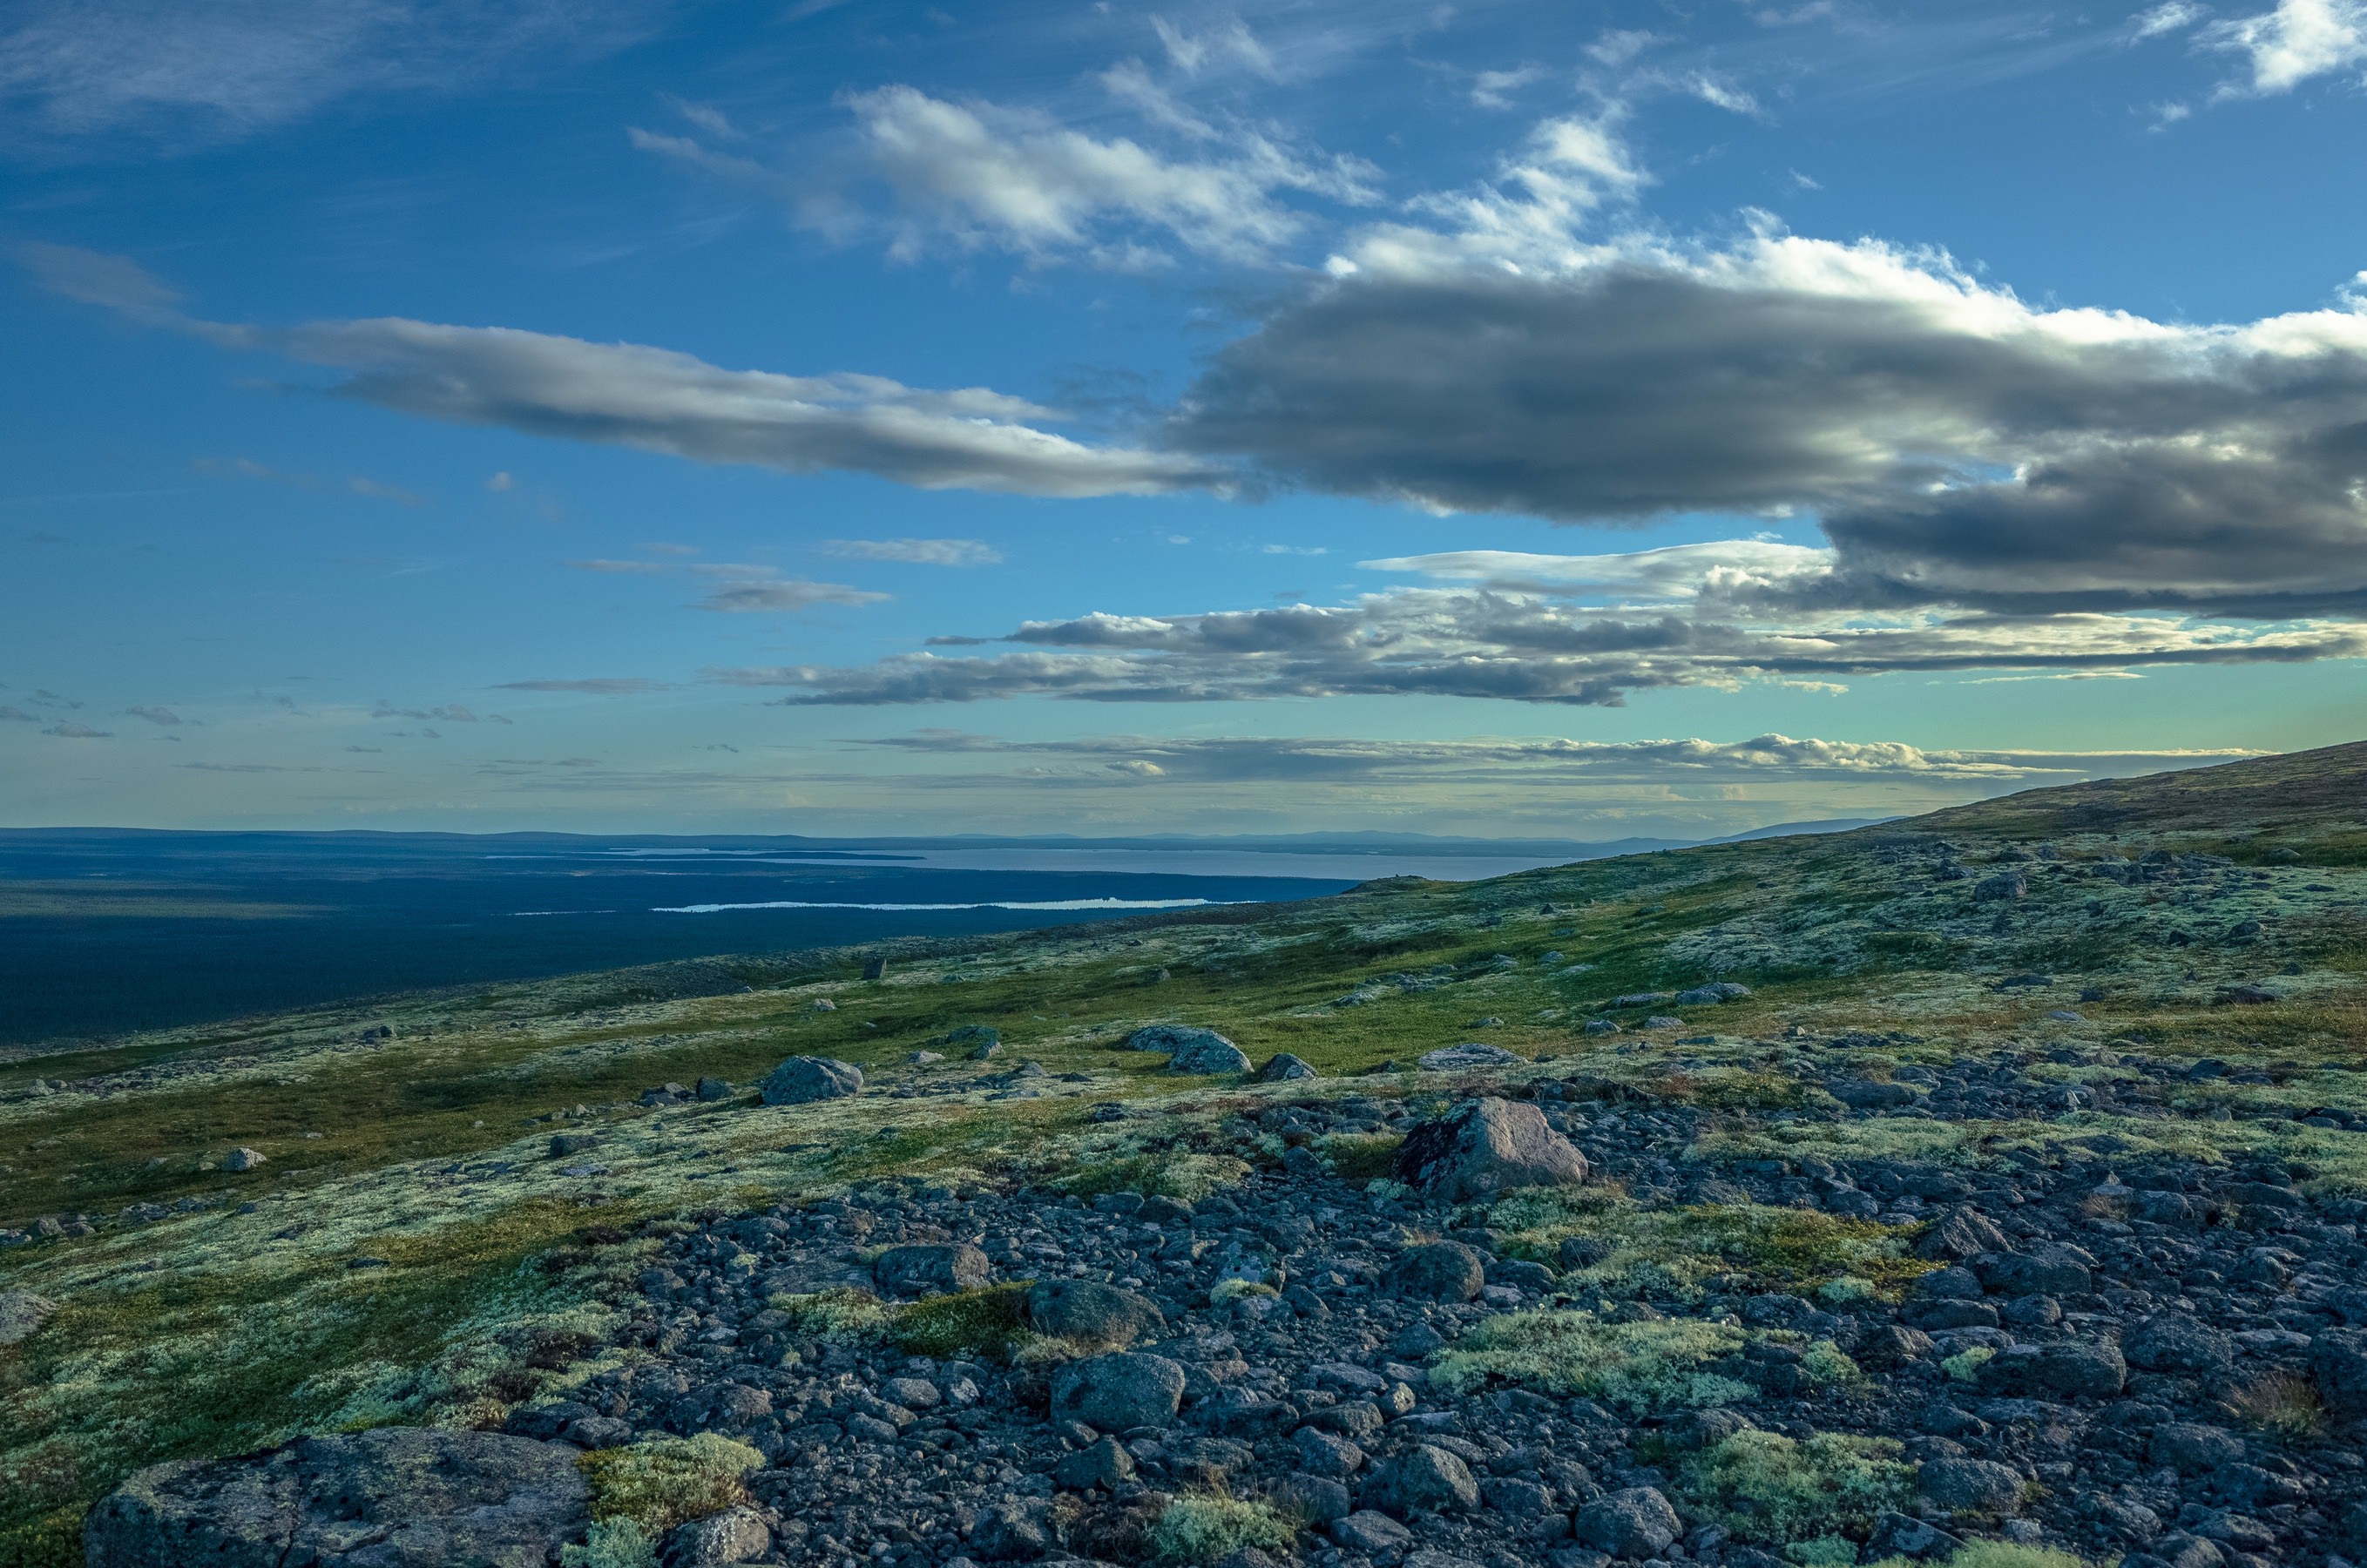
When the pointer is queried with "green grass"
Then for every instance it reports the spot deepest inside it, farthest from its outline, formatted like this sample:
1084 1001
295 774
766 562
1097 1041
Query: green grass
1765 1487
1207 1530
1639 1367
657 1485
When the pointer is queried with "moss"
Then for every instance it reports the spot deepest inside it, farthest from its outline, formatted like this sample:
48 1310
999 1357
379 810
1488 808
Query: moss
1676 1253
1207 1530
1765 1487
1828 1366
47 1541
1638 1366
987 1322
613 1543
1224 1291
659 1484
1361 1157
2007 1555
1823 1552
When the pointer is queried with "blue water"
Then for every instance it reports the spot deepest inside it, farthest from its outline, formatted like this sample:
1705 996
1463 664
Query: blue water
356 915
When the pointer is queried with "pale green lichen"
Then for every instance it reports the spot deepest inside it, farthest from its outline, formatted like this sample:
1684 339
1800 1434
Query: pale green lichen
671 1481
1201 1530
1766 1487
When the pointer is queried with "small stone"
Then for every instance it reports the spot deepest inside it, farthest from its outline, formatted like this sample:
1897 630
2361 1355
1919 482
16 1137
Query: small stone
712 1089
1284 1067
2193 1448
2177 1342
243 1159
1326 1453
1458 1058
1090 1313
22 1314
913 1393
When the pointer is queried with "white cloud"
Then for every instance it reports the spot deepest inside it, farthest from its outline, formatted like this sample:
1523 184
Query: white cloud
187 71
1016 179
920 552
2298 41
599 685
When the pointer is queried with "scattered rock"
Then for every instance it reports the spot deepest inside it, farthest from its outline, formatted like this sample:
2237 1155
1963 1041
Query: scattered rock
1423 1479
1118 1393
1635 1522
1088 1312
243 1159
911 1270
1440 1271
22 1314
1455 1058
1284 1067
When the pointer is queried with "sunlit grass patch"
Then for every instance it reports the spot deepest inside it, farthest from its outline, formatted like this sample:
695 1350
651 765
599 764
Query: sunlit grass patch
1677 1253
671 1481
1766 1487
989 1323
1361 1157
1199 1530
1183 1175
1637 1366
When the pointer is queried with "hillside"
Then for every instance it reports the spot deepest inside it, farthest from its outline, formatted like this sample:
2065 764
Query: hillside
470 1204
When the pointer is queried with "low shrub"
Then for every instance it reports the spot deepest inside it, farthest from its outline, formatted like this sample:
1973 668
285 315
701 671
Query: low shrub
1361 1157
1207 1530
1188 1177
1765 1487
2282 1404
613 1543
841 1317
1638 1366
659 1484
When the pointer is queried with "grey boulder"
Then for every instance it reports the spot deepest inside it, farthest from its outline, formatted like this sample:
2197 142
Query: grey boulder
1970 1485
1422 1480
1636 1522
1190 1050
803 1079
1485 1146
2179 1342
22 1314
1118 1393
1089 1313
735 1535
1438 1271
911 1270
2193 1448
1284 1067
395 1497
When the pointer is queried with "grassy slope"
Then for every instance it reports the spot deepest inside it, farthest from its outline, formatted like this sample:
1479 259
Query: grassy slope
217 1330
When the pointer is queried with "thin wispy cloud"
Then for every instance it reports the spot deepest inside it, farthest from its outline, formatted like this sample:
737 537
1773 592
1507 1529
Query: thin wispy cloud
920 552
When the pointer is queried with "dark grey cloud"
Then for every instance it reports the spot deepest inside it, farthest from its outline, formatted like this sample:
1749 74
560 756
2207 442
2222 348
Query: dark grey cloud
1962 447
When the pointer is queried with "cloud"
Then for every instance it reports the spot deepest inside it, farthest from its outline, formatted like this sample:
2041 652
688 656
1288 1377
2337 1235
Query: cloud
13 715
1234 759
657 400
752 590
94 277
451 713
1960 445
154 715
77 731
923 552
601 687
193 73
633 568
358 484
1014 180
2291 44
1524 646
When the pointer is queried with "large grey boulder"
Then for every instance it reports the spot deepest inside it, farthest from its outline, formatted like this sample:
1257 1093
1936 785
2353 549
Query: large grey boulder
803 1079
395 1497
1198 1051
1485 1146
719 1541
2052 1269
1970 1485
1086 1312
1117 1394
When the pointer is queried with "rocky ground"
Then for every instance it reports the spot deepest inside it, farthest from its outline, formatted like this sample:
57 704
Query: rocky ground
1982 1192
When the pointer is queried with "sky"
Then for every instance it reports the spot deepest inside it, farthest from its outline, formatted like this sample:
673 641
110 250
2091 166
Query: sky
1495 418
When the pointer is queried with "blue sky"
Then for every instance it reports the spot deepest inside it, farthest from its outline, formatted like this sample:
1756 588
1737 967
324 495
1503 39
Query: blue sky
1495 418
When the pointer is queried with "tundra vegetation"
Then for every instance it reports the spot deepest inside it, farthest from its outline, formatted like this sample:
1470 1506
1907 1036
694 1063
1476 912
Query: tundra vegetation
438 1210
